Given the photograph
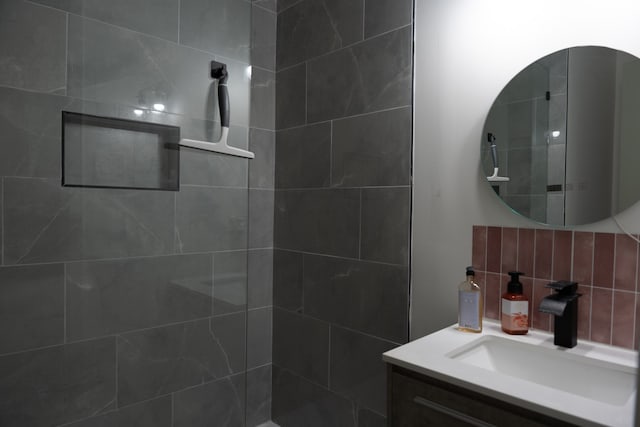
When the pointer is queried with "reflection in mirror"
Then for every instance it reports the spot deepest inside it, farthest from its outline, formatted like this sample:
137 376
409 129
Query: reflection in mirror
561 143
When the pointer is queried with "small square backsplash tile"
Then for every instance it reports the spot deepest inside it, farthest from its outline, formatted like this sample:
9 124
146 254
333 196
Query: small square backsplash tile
605 265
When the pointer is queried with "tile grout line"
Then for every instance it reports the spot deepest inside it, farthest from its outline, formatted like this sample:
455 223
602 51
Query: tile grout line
329 358
635 305
553 252
66 57
116 373
340 257
336 119
360 226
213 285
2 208
64 304
593 255
364 14
302 267
486 249
331 153
613 287
173 409
306 92
178 35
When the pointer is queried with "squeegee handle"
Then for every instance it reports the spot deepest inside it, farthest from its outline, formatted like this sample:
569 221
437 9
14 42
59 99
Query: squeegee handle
494 155
223 103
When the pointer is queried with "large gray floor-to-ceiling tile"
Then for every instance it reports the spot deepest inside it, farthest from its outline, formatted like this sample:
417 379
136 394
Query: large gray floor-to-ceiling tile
384 15
372 150
259 333
222 27
158 361
57 385
141 71
259 395
152 413
298 402
230 271
260 288
31 307
157 18
385 221
106 297
291 97
369 76
211 219
303 156
287 280
368 297
44 222
229 332
263 95
32 46
356 369
368 418
30 128
301 345
262 168
263 38
261 204
318 221
216 403
314 27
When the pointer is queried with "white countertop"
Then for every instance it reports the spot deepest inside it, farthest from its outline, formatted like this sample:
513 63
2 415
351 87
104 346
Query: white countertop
428 355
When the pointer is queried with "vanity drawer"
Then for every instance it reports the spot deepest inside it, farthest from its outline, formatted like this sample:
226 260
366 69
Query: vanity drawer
416 400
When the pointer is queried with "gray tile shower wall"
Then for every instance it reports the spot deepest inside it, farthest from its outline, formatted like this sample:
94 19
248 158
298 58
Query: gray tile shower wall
342 207
124 307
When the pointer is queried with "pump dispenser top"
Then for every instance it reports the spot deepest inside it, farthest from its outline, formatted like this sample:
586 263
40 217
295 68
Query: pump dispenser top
514 286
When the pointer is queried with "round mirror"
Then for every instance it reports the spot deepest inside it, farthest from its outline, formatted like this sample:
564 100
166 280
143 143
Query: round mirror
561 143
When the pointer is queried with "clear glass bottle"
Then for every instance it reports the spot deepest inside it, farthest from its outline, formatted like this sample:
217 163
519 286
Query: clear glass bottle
469 304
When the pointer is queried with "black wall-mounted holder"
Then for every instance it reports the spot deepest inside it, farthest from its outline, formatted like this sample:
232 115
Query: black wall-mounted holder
218 71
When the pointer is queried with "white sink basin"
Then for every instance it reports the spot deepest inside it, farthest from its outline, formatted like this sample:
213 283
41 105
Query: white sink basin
594 379
589 385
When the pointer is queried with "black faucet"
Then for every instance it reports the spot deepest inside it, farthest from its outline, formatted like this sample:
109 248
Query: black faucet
563 304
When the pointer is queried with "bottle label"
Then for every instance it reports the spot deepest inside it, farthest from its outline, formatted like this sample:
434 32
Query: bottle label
469 310
515 315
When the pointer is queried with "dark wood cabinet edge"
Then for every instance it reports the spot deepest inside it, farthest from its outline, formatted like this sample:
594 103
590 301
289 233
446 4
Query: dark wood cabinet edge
490 401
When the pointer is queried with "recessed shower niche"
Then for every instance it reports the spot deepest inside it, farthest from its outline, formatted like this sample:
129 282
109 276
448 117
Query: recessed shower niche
117 153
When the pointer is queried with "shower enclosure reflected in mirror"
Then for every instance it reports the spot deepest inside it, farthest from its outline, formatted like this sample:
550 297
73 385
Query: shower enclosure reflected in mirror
567 137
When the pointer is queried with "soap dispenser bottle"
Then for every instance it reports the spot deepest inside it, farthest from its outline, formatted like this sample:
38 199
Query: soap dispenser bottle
515 307
469 304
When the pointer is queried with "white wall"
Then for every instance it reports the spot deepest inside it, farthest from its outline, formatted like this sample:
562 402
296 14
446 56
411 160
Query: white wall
466 52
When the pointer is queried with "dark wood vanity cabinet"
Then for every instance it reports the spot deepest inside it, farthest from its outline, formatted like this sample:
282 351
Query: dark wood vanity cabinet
415 400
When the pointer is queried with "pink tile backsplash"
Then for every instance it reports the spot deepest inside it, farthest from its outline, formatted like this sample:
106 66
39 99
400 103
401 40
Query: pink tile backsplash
526 246
583 257
509 249
605 265
604 252
626 262
494 249
543 254
562 244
